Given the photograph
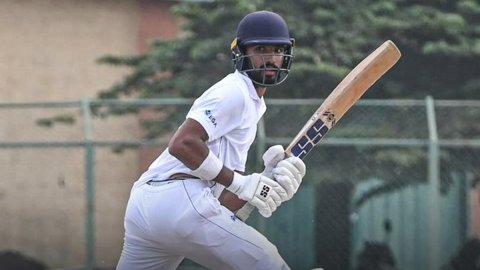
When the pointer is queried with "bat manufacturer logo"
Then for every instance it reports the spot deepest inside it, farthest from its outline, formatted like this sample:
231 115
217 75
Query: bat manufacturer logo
330 116
313 135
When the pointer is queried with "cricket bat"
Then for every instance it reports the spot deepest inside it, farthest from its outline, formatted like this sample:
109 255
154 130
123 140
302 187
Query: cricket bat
340 100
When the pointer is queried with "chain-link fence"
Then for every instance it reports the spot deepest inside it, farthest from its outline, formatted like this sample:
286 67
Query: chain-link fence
389 185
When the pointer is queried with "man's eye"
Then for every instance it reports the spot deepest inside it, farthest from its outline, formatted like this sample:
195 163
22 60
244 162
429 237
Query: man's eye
264 49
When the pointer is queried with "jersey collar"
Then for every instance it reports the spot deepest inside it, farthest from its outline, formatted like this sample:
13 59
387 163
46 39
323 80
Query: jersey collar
251 88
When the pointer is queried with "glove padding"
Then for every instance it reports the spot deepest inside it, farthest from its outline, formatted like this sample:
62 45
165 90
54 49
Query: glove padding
271 157
260 191
289 174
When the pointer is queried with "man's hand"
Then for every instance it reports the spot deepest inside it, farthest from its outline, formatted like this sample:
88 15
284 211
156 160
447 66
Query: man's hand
260 191
289 174
271 157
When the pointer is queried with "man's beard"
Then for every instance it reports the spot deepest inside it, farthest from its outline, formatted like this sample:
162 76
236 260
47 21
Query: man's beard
260 77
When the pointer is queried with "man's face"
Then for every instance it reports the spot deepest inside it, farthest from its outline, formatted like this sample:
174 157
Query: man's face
267 57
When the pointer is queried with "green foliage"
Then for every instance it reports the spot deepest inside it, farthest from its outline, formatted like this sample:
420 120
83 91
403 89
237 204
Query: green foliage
440 41
49 122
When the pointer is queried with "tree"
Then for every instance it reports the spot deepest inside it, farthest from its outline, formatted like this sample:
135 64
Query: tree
440 41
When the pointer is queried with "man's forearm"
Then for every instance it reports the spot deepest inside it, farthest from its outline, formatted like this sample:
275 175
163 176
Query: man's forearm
230 201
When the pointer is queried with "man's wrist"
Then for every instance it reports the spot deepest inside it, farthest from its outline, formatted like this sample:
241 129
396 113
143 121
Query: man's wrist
236 184
210 167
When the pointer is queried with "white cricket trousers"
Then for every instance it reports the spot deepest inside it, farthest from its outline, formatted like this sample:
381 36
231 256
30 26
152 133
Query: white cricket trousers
182 219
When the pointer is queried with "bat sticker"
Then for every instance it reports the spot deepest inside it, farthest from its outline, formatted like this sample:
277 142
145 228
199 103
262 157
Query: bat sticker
313 135
330 117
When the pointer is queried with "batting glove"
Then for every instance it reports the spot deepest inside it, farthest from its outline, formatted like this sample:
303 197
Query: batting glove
271 157
260 191
289 174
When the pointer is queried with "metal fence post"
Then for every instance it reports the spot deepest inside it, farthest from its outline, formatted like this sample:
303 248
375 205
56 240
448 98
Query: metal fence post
89 185
261 147
434 186
261 143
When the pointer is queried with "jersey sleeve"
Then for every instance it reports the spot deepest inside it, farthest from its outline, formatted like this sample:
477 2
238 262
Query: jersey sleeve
219 110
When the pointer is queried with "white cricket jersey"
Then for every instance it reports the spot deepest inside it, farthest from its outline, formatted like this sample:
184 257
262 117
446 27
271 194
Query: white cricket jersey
229 112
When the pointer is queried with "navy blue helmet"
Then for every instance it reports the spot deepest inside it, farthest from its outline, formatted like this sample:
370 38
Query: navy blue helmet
262 28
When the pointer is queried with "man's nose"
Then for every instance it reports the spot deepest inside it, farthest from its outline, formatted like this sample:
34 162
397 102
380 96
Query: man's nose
272 57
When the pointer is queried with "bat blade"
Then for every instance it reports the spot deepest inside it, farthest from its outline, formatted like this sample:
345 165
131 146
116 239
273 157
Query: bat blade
343 97
340 100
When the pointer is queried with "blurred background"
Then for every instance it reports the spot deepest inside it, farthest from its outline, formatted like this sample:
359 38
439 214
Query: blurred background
91 91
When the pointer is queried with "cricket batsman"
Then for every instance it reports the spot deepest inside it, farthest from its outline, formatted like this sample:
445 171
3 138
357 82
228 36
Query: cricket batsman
184 204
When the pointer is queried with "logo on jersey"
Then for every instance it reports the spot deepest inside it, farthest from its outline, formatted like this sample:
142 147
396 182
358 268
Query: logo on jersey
209 114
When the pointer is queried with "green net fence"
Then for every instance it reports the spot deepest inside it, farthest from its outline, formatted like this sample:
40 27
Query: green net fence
390 184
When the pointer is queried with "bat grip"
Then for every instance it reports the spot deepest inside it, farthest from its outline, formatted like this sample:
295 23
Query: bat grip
244 212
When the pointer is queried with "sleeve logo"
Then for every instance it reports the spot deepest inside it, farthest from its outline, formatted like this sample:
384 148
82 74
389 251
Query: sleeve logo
209 114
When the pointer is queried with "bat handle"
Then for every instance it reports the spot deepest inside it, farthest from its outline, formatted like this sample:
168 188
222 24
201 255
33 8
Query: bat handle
244 212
